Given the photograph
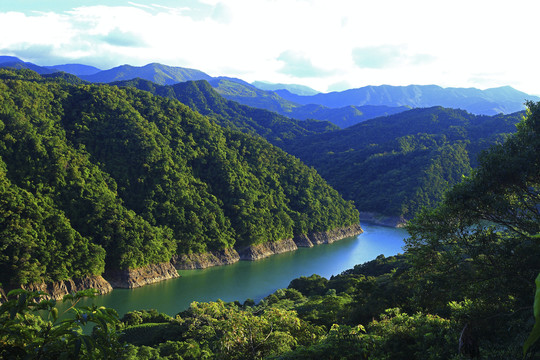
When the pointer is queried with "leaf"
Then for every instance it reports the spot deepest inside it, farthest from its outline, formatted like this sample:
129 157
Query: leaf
54 313
77 349
22 299
535 333
533 337
15 292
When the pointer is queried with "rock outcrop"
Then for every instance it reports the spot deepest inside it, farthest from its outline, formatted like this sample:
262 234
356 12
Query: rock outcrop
56 290
327 237
260 251
204 260
132 278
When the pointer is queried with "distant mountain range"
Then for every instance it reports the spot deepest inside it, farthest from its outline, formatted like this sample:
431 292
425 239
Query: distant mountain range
343 108
293 88
75 69
158 73
487 102
250 95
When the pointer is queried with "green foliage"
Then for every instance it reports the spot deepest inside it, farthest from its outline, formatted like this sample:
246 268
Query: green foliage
32 328
535 332
144 316
226 331
201 97
398 164
308 286
481 243
420 336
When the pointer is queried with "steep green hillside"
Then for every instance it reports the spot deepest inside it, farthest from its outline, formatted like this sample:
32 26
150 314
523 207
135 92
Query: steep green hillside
397 164
201 97
141 177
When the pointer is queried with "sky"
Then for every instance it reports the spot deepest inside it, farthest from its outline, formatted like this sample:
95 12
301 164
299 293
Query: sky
327 45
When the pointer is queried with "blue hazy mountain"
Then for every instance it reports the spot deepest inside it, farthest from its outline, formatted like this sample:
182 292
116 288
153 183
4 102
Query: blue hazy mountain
75 69
488 102
158 73
350 104
293 88
250 95
16 63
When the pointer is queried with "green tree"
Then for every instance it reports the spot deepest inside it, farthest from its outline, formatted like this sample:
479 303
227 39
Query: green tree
31 327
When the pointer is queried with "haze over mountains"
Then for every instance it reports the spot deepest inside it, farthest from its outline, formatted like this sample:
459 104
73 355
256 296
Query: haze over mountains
343 108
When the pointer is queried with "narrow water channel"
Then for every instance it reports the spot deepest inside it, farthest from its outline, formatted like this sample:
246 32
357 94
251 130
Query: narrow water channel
256 279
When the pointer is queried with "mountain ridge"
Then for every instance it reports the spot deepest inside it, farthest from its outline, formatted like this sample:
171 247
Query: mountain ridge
503 99
492 101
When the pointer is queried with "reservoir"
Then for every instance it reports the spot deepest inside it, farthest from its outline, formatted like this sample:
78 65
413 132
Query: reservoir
256 279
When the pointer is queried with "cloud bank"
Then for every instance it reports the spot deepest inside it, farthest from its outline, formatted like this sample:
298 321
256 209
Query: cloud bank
318 43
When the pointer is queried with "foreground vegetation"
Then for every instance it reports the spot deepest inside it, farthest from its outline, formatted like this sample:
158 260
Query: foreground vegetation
465 282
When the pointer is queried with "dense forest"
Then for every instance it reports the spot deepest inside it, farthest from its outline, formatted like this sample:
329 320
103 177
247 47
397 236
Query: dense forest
392 165
202 98
464 288
396 165
93 177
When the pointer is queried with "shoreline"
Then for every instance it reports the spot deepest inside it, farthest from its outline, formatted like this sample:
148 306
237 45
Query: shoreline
152 273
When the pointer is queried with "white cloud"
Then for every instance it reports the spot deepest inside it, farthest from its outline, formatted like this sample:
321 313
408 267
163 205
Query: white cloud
347 41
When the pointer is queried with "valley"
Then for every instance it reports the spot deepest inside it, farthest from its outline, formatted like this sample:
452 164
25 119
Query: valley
134 182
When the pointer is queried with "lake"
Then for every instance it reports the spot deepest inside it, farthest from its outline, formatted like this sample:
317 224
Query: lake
256 279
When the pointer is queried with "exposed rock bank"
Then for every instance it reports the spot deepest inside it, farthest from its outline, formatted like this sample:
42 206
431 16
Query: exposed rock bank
260 251
153 273
204 260
378 219
132 278
327 237
56 290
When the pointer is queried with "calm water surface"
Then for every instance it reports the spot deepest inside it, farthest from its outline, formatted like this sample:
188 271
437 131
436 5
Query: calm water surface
256 279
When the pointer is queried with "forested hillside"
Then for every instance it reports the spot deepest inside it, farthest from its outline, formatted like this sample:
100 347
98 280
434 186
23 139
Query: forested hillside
397 164
391 166
201 97
95 177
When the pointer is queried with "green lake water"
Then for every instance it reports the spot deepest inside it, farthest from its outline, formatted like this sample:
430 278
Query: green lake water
256 279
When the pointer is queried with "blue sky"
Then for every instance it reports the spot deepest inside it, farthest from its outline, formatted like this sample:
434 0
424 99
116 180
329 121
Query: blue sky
327 45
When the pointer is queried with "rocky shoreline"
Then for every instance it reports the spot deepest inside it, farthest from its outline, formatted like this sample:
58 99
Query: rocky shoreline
56 290
132 278
202 261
